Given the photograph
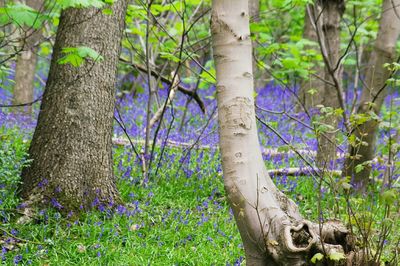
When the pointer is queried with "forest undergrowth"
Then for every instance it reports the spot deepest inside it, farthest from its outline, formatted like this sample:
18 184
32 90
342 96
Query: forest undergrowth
179 216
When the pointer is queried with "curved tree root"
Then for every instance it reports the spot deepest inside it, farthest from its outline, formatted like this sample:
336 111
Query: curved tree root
299 243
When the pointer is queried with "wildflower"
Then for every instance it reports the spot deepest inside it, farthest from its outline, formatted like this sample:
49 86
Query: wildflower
121 209
17 259
3 253
43 183
56 204
95 202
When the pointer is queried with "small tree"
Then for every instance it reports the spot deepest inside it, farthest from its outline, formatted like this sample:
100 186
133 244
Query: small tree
71 155
26 62
361 151
327 16
311 89
272 230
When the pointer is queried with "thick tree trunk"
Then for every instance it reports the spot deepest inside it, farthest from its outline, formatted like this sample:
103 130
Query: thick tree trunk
373 94
71 147
272 229
310 91
332 11
26 64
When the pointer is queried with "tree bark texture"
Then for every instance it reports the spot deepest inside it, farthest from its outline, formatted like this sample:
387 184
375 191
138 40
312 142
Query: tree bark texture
309 100
254 13
374 93
271 227
71 146
330 13
254 10
26 63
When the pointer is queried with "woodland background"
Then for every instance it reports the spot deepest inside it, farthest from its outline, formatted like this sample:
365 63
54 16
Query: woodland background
327 106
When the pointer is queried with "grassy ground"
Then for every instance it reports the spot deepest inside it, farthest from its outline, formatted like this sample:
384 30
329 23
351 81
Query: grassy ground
179 218
176 219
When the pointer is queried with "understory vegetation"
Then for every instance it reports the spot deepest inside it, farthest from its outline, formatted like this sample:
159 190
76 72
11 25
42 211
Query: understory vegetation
127 137
180 216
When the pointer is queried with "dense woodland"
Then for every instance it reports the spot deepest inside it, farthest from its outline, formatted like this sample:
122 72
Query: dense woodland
199 132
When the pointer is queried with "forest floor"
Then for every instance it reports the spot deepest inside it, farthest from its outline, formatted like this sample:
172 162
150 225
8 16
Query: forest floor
180 216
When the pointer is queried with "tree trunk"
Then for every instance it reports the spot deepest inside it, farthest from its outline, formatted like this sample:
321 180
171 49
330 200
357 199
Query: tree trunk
332 11
373 94
272 229
26 64
254 10
310 92
71 148
254 13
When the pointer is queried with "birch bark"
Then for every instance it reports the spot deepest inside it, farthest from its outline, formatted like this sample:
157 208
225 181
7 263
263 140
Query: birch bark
272 229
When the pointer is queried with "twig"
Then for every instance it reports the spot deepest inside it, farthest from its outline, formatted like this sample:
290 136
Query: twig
298 171
20 239
180 88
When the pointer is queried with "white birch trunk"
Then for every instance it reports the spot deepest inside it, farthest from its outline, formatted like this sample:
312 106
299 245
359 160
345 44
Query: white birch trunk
272 229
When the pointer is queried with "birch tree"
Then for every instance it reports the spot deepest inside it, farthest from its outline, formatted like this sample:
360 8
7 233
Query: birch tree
361 152
272 230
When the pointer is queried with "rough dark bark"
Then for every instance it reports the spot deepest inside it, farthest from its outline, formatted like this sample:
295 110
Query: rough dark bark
26 64
373 94
332 11
71 147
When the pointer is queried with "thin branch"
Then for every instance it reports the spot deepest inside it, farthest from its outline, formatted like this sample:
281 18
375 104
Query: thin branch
180 88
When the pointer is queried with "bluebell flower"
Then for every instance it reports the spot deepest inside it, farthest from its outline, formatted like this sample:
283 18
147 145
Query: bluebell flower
43 183
17 259
56 204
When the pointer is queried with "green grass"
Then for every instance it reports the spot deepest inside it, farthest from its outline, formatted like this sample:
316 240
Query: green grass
179 218
176 220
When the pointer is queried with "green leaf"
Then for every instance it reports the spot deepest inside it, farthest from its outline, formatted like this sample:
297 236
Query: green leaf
21 15
317 257
72 59
77 55
389 196
290 63
80 3
84 52
336 256
359 168
107 11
